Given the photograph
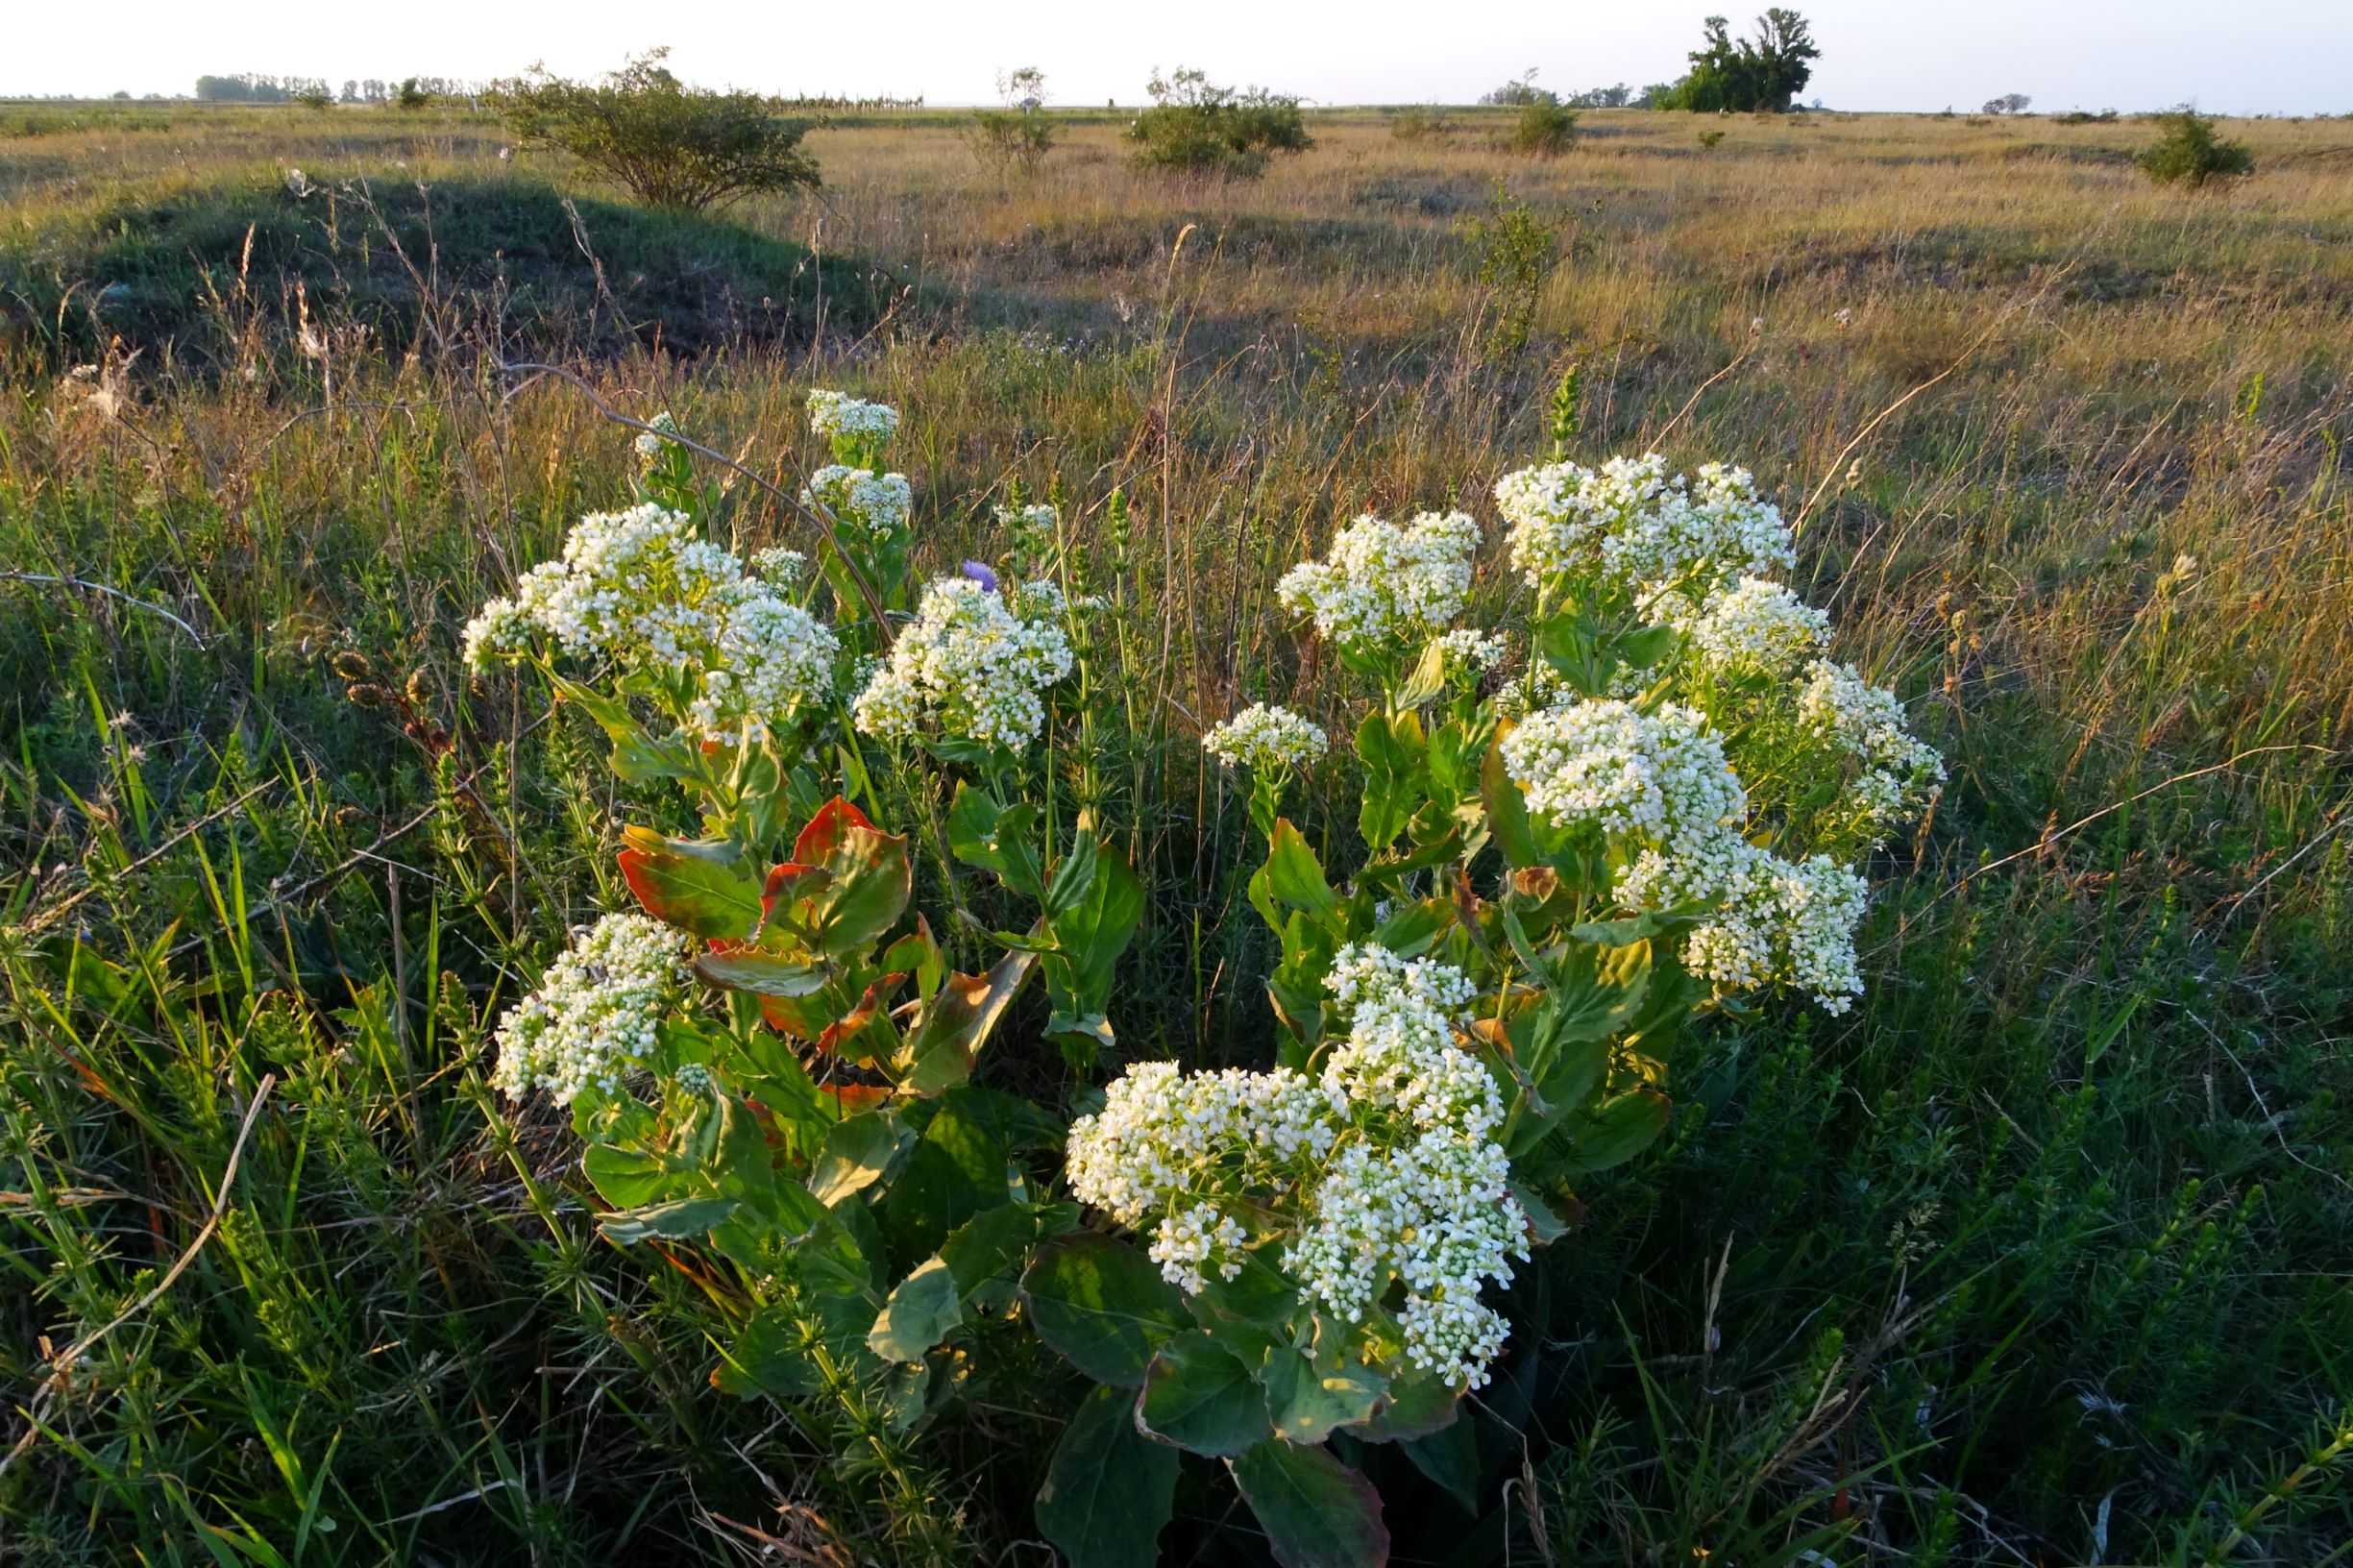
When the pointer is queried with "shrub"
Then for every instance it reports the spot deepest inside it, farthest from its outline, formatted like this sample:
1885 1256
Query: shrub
1195 127
1763 73
671 146
1710 141
1544 126
1415 121
412 95
1017 133
2188 152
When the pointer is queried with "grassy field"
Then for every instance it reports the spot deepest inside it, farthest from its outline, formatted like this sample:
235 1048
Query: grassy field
2038 1256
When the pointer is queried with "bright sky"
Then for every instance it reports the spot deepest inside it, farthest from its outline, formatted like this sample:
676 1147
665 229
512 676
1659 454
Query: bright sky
2245 57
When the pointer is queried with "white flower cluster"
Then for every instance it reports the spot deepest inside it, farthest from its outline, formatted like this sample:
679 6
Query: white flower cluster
1900 774
778 567
840 417
880 502
1032 527
592 1019
1662 775
649 442
969 667
1469 651
1384 582
1661 786
1757 626
642 589
1631 525
1265 736
1384 1165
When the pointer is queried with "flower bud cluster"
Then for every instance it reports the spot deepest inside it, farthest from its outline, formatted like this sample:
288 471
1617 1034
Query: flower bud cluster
1900 776
593 1019
1631 526
642 590
1386 583
969 667
1265 736
1383 1169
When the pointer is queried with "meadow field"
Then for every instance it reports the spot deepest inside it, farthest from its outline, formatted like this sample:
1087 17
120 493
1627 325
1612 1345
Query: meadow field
2040 1256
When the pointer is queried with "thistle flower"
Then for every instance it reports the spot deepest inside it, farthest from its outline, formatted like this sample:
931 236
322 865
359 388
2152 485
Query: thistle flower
593 1018
1384 584
969 667
1265 736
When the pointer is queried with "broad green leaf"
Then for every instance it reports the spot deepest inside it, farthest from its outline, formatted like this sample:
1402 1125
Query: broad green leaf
1088 939
999 839
1310 1400
1428 682
1294 876
919 1313
988 1244
939 1052
677 1220
957 1169
1251 1314
695 886
1507 811
1597 990
1108 1489
1545 1226
767 1358
1394 782
1449 1457
869 877
1199 1396
1073 875
630 1178
1645 647
1417 1404
1316 1512
1102 1305
858 1152
1615 1131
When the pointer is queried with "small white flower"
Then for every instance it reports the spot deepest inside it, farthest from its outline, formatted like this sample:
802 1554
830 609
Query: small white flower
1265 736
839 417
968 666
1383 584
1631 526
592 1020
1756 627
1661 775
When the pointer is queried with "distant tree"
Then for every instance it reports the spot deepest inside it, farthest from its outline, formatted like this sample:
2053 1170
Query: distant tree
1197 126
1617 97
673 146
316 98
1018 132
2189 153
412 95
2009 103
1517 93
1763 73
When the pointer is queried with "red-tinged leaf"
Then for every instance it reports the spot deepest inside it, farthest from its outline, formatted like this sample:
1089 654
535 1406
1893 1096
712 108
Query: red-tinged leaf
804 1018
853 1098
785 901
1316 1512
827 830
843 1038
938 1054
756 969
694 886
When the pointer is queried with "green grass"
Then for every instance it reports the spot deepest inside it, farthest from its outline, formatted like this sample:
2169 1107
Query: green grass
2040 1256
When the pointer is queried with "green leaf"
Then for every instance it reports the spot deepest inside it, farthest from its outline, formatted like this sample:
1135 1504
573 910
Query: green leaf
1428 682
1417 1404
1316 1512
1615 1131
858 1152
1102 1305
1308 1400
693 884
919 1313
1507 811
1088 939
1543 1224
1294 876
1598 990
1394 782
1199 1396
767 1359
1449 1457
630 1178
938 1053
677 1220
1108 1489
1074 875
988 1244
999 839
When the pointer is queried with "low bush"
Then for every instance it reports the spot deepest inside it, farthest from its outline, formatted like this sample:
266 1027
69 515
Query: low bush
1415 121
1544 126
1017 134
1197 127
671 145
2188 152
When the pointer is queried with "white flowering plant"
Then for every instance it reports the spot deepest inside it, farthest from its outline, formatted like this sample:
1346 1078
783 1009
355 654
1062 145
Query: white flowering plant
1559 869
1642 801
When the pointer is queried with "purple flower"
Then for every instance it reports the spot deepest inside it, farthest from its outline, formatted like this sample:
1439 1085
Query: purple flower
981 574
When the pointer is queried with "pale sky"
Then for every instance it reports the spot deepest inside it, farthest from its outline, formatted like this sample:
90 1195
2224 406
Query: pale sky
2245 57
